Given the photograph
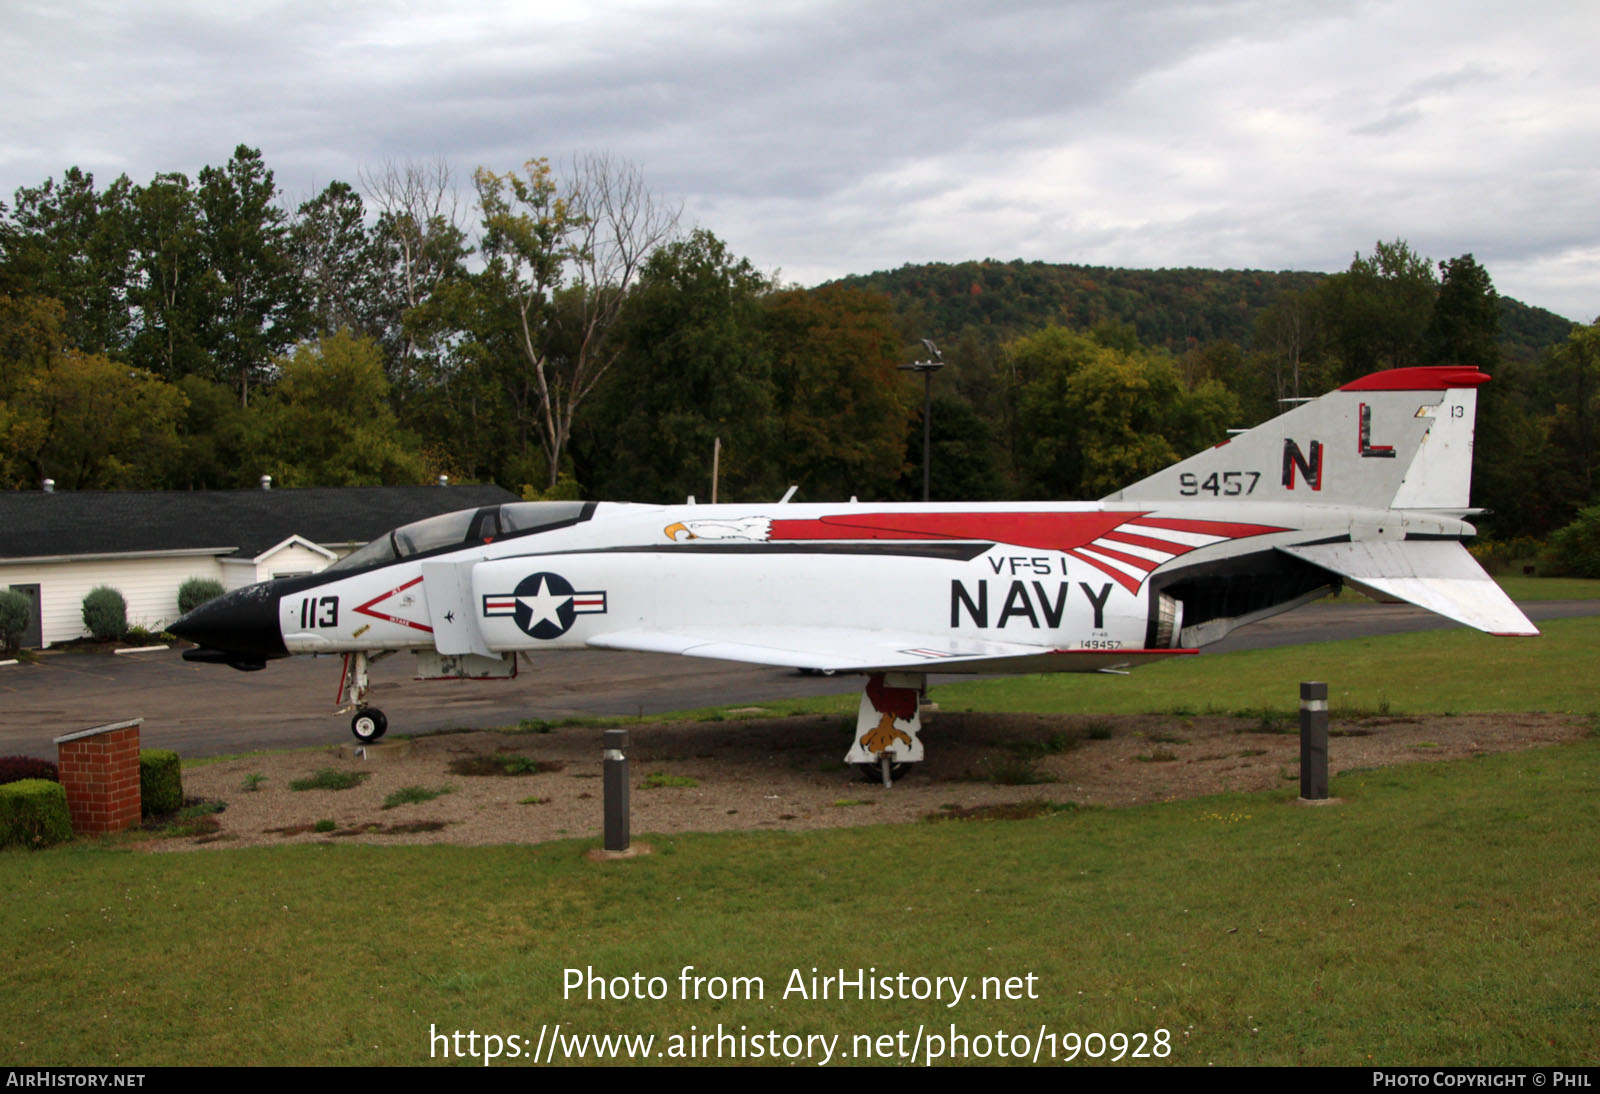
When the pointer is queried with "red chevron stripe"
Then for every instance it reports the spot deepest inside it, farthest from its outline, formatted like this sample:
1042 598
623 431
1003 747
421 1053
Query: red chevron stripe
1144 564
1127 581
1149 541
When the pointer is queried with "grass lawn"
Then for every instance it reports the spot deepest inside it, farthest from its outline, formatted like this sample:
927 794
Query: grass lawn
1443 913
1550 588
1431 672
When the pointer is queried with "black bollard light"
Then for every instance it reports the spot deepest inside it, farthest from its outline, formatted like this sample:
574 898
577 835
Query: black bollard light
1314 741
616 790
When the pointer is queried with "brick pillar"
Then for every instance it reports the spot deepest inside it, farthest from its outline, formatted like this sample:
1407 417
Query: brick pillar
99 769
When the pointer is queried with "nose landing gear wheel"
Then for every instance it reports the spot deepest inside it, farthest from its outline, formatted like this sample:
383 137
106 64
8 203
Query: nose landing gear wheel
368 725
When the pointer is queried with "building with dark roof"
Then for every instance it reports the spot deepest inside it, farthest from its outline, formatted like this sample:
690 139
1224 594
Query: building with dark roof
55 547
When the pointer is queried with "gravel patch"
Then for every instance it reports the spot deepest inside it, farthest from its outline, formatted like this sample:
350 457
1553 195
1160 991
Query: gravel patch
786 774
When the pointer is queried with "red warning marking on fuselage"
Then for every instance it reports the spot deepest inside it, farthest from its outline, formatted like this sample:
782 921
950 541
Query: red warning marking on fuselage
367 608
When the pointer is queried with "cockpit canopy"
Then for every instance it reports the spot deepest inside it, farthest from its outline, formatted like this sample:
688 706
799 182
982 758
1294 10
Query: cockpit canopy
463 528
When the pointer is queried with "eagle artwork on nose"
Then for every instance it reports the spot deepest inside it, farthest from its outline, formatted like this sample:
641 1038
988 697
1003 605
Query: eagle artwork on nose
757 529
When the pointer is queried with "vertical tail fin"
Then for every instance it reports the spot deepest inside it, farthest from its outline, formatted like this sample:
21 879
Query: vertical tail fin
1400 439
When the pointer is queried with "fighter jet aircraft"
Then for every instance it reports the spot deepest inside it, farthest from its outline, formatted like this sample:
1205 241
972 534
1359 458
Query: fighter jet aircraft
1366 486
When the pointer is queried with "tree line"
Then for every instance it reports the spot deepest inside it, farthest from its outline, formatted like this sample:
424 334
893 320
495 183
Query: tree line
1234 345
560 332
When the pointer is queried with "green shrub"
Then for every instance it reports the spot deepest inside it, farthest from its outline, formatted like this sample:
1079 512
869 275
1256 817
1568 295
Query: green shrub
503 763
656 780
410 795
1575 550
196 591
329 778
15 615
33 813
1015 771
16 768
105 613
1506 556
160 782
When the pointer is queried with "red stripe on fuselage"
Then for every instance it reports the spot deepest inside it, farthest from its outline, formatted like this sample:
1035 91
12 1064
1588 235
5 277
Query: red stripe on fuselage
1164 545
1127 581
1064 532
1045 531
1136 561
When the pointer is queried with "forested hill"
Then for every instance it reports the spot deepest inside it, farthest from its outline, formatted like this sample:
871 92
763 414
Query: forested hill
1175 309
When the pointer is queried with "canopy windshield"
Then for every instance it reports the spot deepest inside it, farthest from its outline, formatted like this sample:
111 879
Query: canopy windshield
461 528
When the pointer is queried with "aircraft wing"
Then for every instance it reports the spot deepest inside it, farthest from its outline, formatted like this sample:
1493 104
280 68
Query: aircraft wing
1435 574
839 649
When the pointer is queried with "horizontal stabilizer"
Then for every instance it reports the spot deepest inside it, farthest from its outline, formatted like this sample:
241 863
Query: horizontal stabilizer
1435 574
838 649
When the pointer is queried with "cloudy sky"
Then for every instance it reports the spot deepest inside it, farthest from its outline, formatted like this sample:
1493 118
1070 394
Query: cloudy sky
821 138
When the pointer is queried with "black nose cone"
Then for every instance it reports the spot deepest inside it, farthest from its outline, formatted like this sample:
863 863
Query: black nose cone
243 622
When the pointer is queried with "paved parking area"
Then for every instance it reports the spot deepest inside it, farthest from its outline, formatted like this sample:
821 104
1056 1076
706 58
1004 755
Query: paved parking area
208 710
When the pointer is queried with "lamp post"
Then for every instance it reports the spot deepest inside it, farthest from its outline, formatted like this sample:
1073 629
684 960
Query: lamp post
934 363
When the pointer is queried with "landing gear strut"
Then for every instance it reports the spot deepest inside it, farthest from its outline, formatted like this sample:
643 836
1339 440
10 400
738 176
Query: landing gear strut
885 771
369 723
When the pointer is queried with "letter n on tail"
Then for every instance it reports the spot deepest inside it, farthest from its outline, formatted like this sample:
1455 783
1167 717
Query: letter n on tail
1310 469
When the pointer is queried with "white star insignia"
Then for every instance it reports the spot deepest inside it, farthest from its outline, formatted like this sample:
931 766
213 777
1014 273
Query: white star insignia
543 605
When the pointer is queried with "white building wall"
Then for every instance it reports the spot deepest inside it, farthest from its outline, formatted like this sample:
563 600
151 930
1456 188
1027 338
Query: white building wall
286 561
237 572
149 585
293 559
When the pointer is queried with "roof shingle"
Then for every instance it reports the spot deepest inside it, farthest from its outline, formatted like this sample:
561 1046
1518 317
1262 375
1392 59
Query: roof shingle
94 522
